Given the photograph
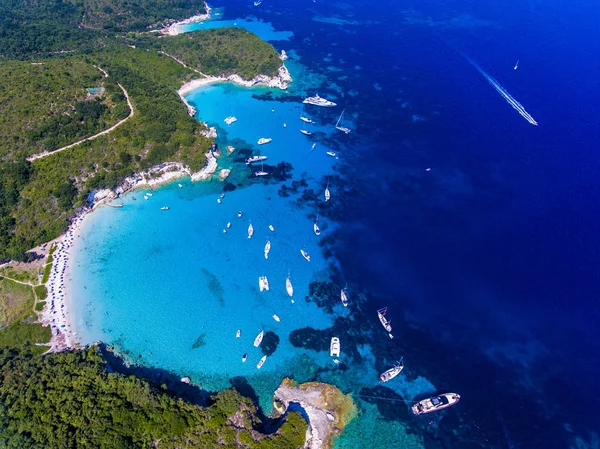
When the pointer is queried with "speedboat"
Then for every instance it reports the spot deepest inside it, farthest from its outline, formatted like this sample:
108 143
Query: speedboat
331 153
305 132
344 298
288 286
304 119
313 146
258 339
239 214
264 140
229 120
257 2
250 230
238 333
387 325
318 101
164 208
392 372
145 197
180 186
316 229
228 224
263 283
261 362
334 347
149 194
230 149
276 317
305 255
244 357
267 249
434 403
255 159
271 228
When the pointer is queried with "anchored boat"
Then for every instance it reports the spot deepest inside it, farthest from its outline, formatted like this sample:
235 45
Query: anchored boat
318 101
305 255
263 283
435 403
334 347
392 372
344 298
387 325
267 249
261 362
259 339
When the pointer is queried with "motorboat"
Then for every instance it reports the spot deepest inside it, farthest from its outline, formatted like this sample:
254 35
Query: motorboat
288 286
342 128
313 146
164 208
305 255
263 283
305 132
259 338
305 119
180 186
255 159
145 197
148 194
392 372
257 2
516 66
316 229
219 200
271 228
230 149
276 317
228 224
327 194
435 403
238 333
334 347
331 153
318 101
229 120
267 249
387 325
239 214
264 140
244 357
250 230
344 298
261 362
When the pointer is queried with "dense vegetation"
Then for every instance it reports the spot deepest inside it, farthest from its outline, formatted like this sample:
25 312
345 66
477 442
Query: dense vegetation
70 400
222 51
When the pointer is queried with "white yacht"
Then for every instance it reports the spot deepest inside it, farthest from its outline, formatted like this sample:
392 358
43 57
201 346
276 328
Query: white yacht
267 249
261 362
263 283
331 153
264 140
327 193
316 228
306 120
145 197
305 132
250 231
259 338
387 325
228 224
149 194
271 228
318 101
342 128
334 347
434 403
164 208
238 333
276 317
180 186
305 255
392 372
229 120
344 298
288 286
255 159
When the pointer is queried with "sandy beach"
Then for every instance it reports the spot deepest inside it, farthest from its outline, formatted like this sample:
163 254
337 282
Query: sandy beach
175 28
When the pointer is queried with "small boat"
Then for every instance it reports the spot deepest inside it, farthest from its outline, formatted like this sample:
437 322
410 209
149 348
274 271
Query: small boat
305 119
257 2
318 101
516 65
316 227
250 229
334 347
260 173
228 224
313 146
263 283
145 197
387 325
305 255
267 249
238 333
219 200
164 208
148 194
229 120
271 228
230 149
285 125
264 140
180 186
288 286
239 214
341 128
327 194
344 298
434 403
261 362
258 339
276 317
392 372
115 205
305 132
255 159
244 357
331 153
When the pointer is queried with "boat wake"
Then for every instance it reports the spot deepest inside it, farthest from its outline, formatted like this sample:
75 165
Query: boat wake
503 92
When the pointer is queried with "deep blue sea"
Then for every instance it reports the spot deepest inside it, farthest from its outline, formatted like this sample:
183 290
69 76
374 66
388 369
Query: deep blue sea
479 231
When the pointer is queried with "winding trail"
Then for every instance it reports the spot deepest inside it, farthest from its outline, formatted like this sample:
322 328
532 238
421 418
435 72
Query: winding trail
106 131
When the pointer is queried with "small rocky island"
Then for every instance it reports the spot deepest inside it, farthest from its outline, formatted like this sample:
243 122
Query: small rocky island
327 408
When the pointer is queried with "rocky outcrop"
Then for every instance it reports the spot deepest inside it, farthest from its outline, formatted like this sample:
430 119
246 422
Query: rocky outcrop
327 408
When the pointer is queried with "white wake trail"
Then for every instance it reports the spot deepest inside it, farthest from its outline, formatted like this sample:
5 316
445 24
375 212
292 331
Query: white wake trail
502 91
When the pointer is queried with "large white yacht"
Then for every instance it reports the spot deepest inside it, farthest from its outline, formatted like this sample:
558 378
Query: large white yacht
435 403
255 159
334 347
318 101
264 140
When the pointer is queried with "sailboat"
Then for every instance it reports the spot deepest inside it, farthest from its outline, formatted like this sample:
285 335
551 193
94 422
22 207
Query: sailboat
342 128
392 372
267 249
259 338
343 297
327 192
305 255
262 172
516 65
387 325
263 283
288 286
316 227
250 231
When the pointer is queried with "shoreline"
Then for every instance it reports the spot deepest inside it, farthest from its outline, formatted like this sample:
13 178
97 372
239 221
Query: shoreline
175 28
